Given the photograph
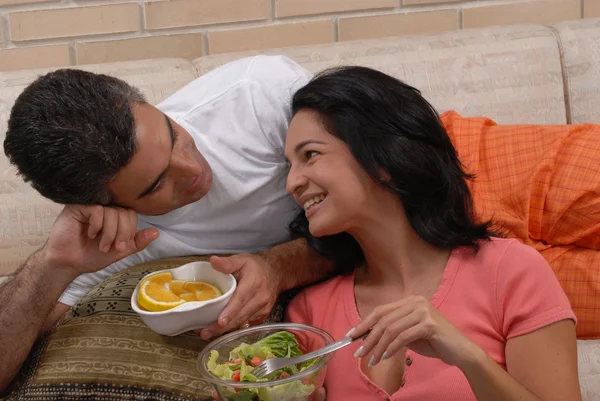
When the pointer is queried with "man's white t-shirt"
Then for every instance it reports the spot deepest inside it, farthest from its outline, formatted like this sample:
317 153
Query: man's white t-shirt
238 115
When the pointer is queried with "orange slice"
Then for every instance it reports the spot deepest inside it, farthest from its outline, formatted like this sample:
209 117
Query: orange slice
188 296
176 286
203 290
155 294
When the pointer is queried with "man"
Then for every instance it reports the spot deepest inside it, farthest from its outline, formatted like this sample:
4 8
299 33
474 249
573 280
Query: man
201 173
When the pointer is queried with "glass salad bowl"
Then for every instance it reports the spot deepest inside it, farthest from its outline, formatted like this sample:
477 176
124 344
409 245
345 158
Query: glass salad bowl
227 362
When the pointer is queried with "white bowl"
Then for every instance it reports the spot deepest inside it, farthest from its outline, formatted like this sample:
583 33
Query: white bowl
189 315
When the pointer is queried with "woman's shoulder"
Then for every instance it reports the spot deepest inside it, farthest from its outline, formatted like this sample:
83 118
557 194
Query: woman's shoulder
501 249
501 257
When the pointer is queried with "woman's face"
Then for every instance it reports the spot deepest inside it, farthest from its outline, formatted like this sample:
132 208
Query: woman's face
324 178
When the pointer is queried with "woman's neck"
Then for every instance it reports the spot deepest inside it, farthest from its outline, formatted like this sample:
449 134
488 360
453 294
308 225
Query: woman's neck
394 253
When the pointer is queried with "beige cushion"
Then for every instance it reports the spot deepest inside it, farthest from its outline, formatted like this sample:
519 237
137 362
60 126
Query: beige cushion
580 41
25 217
589 369
511 74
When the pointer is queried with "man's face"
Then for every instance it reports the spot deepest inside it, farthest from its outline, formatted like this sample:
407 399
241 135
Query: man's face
166 172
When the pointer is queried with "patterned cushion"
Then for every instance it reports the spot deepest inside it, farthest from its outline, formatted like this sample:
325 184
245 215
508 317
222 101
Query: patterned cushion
102 350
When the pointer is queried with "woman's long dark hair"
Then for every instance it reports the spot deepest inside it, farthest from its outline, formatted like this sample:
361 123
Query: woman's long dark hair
389 126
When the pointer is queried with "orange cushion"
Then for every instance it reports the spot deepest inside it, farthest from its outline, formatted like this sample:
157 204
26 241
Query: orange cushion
541 184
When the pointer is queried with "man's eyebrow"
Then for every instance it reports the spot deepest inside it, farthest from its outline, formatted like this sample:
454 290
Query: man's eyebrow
151 187
171 131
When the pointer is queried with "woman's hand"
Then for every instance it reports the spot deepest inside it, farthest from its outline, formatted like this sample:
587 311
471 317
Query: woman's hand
414 323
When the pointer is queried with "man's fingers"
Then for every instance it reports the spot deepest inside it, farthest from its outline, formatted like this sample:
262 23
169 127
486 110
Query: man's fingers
234 306
252 312
95 216
144 237
110 225
125 231
245 314
226 265
209 331
133 220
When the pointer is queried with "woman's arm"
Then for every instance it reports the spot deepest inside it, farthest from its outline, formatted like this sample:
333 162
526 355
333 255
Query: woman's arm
541 365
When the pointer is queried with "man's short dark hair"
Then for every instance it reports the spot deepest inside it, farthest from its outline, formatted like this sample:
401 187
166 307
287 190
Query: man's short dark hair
70 132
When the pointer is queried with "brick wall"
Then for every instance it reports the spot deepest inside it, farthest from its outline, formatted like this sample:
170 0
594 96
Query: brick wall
54 33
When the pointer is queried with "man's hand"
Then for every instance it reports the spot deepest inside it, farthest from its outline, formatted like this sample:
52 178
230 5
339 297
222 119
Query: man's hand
86 239
257 290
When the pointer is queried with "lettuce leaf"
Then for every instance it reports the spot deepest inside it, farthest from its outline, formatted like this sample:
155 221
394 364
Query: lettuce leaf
222 370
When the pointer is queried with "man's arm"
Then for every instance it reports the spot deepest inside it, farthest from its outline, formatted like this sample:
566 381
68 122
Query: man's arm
26 302
296 264
261 278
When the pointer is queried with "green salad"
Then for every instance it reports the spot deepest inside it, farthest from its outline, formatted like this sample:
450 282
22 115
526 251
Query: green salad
245 357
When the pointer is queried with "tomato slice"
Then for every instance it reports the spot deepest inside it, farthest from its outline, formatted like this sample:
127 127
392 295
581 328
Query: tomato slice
236 376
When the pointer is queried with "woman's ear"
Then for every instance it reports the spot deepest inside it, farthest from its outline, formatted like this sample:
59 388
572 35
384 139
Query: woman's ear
384 175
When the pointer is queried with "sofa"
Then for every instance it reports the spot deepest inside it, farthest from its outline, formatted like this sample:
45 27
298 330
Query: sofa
518 74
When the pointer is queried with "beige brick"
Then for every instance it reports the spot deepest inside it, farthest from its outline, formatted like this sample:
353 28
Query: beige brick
288 8
12 2
411 2
74 21
171 14
398 24
535 12
591 8
282 35
34 57
187 46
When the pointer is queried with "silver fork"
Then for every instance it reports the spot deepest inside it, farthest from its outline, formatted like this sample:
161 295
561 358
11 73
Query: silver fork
268 366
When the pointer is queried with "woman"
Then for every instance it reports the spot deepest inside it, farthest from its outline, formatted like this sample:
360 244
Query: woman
455 312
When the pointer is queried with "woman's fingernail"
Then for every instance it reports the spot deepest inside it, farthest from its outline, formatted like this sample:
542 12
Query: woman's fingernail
372 361
224 321
384 356
358 352
122 246
348 334
206 334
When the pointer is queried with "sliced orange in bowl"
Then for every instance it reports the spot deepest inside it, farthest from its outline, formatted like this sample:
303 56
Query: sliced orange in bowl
176 286
155 294
203 290
188 296
159 292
